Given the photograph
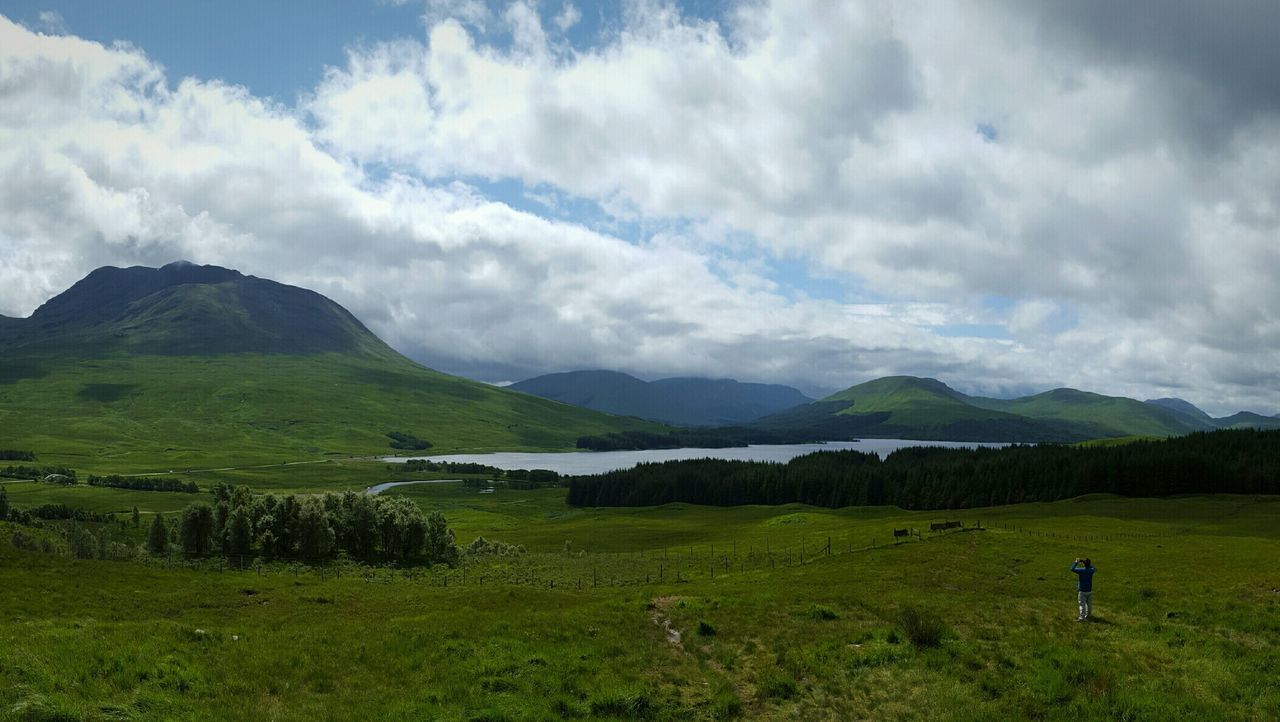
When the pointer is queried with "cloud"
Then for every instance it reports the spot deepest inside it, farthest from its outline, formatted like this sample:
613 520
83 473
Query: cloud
923 155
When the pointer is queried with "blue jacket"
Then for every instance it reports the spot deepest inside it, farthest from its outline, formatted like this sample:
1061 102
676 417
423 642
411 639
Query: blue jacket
1085 575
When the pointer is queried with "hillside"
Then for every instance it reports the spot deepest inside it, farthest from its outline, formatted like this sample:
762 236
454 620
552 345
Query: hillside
1111 415
1247 420
678 401
141 368
1183 407
919 408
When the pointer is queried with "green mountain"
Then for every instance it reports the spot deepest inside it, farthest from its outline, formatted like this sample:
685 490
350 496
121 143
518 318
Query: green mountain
1247 420
916 408
920 408
183 366
1183 407
679 401
1109 416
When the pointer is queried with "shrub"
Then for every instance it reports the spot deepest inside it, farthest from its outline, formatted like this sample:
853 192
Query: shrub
706 629
633 705
821 612
921 627
776 684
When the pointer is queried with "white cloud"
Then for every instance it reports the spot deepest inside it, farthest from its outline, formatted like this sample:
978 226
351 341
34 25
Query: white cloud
843 137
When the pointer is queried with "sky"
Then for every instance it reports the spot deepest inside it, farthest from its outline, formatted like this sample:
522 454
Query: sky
1007 195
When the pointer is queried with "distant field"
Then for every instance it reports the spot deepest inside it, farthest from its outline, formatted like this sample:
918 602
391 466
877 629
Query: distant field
1188 604
154 413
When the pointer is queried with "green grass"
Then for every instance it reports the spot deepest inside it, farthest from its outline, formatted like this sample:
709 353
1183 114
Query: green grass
1187 595
107 414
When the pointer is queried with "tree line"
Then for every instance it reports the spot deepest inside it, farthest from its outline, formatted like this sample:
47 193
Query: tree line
16 455
314 527
1233 462
516 478
60 473
144 483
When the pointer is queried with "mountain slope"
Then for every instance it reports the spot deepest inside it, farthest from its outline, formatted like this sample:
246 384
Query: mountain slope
1182 406
1111 415
679 401
918 408
139 368
1247 420
910 407
184 309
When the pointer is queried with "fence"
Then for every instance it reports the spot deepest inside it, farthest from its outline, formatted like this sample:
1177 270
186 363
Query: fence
582 571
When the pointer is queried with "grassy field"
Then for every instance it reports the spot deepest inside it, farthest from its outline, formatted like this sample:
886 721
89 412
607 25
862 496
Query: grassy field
106 414
1187 600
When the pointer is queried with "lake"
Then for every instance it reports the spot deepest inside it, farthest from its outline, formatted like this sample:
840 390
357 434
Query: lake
576 463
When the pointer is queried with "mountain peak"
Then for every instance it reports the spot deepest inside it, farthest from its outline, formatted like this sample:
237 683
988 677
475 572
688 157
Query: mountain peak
1181 406
184 308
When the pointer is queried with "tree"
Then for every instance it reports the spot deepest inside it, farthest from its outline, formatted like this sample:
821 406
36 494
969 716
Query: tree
440 546
158 536
362 526
81 542
315 536
196 528
239 533
4 504
137 518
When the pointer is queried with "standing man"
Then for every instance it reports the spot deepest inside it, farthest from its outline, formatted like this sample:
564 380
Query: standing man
1084 570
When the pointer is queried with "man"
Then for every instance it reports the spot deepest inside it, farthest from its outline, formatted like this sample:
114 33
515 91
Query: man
1083 569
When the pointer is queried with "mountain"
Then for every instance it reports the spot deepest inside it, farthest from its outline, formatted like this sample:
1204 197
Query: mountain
922 408
1247 420
1183 407
678 401
915 408
185 309
1110 416
143 368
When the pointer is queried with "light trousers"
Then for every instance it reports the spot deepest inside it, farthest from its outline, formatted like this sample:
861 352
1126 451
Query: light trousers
1086 604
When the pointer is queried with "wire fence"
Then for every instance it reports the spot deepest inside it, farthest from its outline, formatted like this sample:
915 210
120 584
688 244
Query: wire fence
586 571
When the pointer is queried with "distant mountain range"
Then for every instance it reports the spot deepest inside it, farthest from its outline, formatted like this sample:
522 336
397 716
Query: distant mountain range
144 368
922 408
677 401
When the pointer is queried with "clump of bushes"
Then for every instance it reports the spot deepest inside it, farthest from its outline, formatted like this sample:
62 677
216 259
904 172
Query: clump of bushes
921 627
630 705
493 548
776 684
821 613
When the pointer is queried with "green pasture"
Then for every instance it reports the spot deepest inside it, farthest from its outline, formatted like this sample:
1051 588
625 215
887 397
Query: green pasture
1187 601
131 414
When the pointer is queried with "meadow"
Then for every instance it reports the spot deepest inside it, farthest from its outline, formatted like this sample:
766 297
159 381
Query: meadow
673 612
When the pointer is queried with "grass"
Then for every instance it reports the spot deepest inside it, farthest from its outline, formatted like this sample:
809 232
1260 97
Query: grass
105 414
1187 595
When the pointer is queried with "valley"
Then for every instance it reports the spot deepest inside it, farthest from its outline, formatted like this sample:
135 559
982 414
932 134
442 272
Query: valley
541 606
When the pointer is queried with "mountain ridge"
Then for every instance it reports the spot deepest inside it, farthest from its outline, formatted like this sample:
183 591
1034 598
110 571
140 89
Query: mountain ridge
928 409
682 401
